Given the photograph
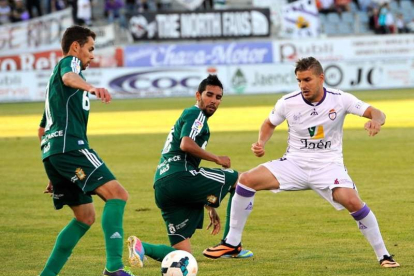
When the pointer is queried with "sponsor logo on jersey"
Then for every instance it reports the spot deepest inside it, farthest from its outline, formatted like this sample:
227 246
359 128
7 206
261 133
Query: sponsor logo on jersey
197 126
51 135
314 112
316 132
332 114
358 105
336 181
212 199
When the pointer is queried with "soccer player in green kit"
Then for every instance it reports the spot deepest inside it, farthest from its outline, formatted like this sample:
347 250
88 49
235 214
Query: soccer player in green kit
74 170
182 188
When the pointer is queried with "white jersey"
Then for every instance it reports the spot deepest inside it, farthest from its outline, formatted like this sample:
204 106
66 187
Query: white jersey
315 129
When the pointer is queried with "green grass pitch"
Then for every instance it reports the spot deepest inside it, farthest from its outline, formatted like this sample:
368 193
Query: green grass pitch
294 233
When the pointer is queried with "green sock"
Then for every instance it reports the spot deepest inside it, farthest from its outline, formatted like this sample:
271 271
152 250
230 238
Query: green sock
65 242
112 218
227 226
157 251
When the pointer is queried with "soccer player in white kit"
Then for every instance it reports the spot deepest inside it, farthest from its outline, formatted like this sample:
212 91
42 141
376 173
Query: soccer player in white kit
313 159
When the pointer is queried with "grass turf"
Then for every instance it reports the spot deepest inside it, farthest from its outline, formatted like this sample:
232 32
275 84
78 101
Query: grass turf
290 233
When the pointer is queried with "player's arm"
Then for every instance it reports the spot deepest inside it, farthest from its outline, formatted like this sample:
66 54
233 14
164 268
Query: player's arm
214 220
42 125
265 133
189 145
377 119
74 80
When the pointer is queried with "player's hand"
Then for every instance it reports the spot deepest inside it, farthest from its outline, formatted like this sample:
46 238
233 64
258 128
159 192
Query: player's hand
373 127
258 149
224 161
49 189
214 220
101 93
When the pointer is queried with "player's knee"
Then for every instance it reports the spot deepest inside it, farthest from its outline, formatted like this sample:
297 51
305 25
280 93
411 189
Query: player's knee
88 219
353 204
246 179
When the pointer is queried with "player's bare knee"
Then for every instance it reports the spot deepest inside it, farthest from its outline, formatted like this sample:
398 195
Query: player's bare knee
246 179
86 219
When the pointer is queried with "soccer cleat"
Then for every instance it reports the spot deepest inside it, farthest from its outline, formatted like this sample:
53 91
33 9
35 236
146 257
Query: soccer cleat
221 249
388 262
120 272
136 252
244 253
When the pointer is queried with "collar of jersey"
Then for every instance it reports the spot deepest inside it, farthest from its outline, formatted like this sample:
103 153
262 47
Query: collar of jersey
311 104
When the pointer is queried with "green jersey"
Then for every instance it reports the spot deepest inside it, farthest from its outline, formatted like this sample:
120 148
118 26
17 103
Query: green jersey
192 123
66 113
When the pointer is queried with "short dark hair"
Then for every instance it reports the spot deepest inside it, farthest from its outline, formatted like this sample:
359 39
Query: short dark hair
309 63
210 80
76 33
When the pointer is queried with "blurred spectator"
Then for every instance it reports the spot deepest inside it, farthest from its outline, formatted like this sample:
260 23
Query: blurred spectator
342 5
148 5
19 12
165 5
5 12
84 14
114 11
410 26
57 5
363 5
74 5
386 19
374 21
400 24
30 4
326 6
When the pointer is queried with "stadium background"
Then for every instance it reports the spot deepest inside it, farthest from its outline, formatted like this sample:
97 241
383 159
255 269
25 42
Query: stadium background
152 62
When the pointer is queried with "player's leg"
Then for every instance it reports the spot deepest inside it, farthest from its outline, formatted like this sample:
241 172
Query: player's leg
366 222
259 178
181 213
65 193
112 222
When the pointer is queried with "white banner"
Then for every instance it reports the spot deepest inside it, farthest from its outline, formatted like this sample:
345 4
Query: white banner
39 34
345 48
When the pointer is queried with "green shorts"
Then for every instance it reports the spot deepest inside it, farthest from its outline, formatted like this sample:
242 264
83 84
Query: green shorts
75 175
182 196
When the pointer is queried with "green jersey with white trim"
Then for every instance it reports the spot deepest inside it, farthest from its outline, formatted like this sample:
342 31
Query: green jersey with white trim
66 113
192 123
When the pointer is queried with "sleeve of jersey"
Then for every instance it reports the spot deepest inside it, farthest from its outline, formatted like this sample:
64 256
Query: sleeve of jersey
193 124
43 121
276 116
70 64
354 105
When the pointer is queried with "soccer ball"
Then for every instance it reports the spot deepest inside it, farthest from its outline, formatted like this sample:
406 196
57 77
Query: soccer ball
179 263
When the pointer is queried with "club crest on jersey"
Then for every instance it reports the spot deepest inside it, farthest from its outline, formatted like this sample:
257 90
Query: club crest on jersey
80 174
332 114
212 199
197 126
316 132
171 228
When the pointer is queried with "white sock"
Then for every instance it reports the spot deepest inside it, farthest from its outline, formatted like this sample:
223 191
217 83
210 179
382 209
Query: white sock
368 225
241 207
